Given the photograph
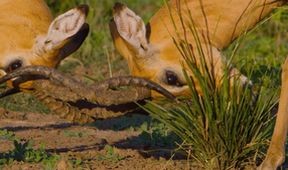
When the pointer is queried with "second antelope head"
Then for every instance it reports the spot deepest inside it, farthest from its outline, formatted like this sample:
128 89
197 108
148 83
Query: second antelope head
151 51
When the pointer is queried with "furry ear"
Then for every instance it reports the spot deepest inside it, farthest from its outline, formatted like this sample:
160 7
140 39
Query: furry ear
65 34
130 27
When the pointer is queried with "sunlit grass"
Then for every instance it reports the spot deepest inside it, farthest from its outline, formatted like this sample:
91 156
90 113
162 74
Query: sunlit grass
222 129
264 49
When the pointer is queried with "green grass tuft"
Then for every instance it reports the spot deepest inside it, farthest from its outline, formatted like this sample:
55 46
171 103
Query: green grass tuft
222 127
222 130
24 152
110 155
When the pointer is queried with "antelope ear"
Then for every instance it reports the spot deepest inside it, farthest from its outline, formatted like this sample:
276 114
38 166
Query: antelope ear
130 27
65 34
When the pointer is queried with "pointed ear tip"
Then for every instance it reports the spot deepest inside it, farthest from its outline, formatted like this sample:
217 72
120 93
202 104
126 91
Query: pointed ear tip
84 8
118 7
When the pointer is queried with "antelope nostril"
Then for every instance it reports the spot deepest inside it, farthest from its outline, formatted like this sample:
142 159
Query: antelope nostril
83 8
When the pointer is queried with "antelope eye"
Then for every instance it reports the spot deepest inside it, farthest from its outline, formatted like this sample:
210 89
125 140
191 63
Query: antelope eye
172 79
13 66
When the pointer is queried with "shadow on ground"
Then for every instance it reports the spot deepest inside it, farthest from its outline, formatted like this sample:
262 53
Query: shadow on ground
134 131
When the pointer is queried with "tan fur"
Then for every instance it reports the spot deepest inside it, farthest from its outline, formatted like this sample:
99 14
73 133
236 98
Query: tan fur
28 34
217 21
21 21
227 19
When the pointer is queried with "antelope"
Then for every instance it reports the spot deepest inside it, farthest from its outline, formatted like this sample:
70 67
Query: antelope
151 52
33 45
30 37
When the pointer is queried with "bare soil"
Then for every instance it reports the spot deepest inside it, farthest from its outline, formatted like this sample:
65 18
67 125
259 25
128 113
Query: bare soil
59 137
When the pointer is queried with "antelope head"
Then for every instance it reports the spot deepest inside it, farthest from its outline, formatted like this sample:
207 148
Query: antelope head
29 36
151 51
32 45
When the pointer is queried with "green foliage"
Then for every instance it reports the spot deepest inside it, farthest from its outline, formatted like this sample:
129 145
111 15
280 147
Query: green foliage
8 135
263 49
222 130
222 126
153 132
110 155
156 134
24 152
22 102
76 162
68 133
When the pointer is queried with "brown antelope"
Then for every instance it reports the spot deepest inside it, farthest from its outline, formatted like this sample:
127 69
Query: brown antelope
29 37
151 52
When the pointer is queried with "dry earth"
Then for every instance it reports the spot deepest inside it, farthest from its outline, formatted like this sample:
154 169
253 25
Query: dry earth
57 136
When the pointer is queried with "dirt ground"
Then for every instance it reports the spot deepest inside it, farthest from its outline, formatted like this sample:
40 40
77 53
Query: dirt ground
59 138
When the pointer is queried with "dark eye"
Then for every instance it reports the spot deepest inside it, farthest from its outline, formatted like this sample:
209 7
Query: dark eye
13 66
172 79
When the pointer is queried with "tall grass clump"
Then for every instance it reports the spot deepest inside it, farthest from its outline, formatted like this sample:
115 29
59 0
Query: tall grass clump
222 126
